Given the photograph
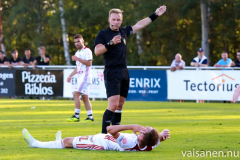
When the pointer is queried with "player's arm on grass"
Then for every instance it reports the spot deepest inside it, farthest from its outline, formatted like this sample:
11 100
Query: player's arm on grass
164 135
72 74
116 129
146 21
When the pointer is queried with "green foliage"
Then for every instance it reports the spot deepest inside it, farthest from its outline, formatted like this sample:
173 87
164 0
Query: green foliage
35 23
225 28
199 127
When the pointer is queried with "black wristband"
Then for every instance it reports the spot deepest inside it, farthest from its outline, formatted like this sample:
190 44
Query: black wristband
107 46
153 16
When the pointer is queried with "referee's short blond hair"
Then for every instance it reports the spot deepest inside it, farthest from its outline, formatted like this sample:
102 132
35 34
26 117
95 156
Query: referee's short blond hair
115 10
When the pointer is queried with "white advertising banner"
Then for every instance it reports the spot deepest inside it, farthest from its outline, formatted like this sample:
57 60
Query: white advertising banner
96 89
202 84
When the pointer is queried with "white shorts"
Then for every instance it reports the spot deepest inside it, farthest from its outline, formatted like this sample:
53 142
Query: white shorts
82 87
96 142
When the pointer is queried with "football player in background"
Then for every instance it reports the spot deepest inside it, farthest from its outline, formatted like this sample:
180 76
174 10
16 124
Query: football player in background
83 69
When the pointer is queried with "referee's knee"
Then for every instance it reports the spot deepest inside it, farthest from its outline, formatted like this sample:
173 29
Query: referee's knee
112 108
120 107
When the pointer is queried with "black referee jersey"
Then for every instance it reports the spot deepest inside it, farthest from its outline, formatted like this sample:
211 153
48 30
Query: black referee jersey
117 54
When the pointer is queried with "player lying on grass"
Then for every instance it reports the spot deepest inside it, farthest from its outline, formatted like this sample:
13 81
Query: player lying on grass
147 139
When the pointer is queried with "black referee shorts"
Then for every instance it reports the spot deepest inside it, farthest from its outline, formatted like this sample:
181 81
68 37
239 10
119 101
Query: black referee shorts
116 81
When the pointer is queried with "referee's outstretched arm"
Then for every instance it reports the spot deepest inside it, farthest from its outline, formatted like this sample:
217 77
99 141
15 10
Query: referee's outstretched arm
146 21
101 48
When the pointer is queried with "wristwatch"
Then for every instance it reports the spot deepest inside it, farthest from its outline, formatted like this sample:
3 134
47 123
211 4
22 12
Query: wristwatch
111 43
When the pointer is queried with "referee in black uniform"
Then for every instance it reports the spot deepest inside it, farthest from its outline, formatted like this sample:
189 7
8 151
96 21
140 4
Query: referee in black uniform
112 43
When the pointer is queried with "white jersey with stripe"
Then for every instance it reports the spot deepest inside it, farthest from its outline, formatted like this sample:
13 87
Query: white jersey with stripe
84 73
129 142
96 142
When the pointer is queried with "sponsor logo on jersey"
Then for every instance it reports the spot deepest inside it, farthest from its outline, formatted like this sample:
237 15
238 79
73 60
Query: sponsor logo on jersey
125 141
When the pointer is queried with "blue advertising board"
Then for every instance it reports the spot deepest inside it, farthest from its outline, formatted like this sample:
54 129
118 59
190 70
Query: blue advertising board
147 85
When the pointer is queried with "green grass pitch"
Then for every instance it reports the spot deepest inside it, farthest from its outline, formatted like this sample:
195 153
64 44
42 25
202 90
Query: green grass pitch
193 127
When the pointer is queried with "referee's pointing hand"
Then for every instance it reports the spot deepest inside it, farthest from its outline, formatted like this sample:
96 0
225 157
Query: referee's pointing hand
161 10
116 39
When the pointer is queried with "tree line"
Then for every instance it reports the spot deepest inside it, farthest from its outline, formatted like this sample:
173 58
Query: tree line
30 24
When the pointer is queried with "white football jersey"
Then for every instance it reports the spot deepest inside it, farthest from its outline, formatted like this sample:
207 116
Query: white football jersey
125 142
96 142
84 73
129 142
